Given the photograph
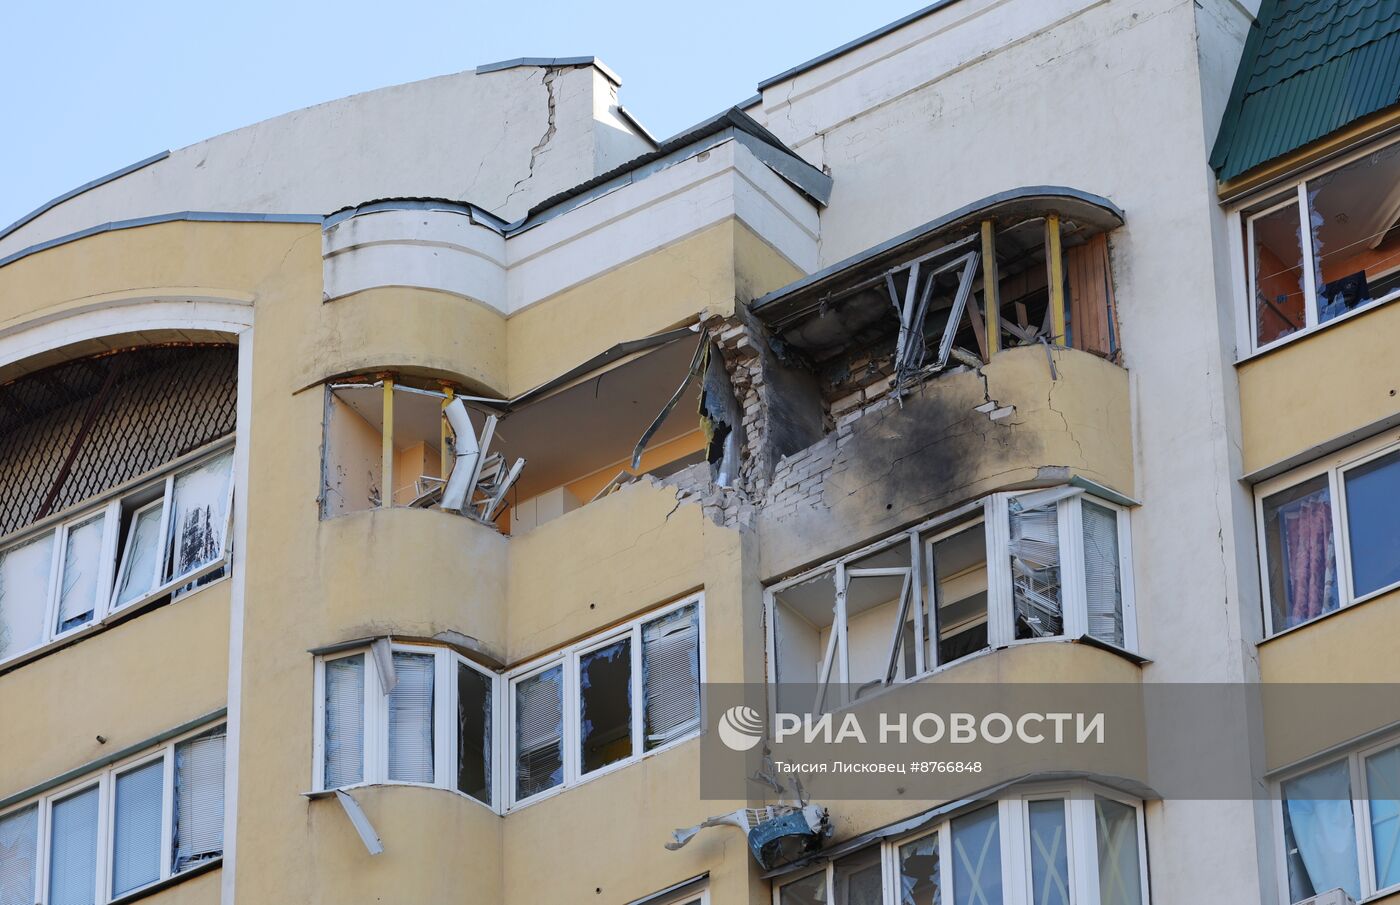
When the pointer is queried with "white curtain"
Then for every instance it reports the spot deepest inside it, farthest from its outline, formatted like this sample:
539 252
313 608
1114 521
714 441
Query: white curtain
411 719
136 839
1318 814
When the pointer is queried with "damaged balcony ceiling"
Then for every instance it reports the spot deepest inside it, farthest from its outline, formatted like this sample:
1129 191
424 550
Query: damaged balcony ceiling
596 423
862 309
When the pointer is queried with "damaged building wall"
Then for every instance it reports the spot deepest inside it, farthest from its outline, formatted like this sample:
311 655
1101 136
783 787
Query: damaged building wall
891 464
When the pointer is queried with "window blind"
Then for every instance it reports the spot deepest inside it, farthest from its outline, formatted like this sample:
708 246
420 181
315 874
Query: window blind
199 799
19 844
136 825
73 849
411 719
345 721
1102 584
671 675
539 728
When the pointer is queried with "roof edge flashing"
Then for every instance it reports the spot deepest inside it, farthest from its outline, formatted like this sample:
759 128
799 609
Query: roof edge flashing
551 63
85 187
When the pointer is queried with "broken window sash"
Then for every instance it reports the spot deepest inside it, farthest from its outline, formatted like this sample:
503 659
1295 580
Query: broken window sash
920 876
475 691
137 840
344 707
671 676
202 500
804 642
73 836
859 878
605 705
199 799
958 580
81 576
25 573
879 632
1103 586
411 719
1035 572
19 854
955 280
141 562
539 732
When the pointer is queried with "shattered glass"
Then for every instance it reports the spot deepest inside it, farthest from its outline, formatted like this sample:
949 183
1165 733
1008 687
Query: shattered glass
605 705
1035 572
200 517
473 733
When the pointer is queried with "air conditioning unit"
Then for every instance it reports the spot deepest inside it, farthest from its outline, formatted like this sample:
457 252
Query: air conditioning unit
1331 897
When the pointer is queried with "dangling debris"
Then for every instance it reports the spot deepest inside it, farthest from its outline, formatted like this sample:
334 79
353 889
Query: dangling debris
479 482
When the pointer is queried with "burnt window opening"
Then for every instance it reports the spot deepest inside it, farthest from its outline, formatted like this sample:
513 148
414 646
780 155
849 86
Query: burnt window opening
74 431
1015 272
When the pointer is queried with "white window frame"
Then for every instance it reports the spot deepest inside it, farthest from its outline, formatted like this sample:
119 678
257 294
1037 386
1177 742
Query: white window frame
113 551
994 513
1360 812
1335 467
1241 219
1013 830
105 782
569 658
375 723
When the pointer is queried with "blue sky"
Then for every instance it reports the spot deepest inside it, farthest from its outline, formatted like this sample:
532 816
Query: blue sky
89 86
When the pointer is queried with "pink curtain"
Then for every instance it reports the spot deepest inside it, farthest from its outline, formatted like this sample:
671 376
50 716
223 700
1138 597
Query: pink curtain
1309 563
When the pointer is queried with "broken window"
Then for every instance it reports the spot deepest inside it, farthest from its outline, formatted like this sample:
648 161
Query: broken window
539 732
119 831
1017 851
1325 248
655 660
957 564
65 576
605 705
864 621
1329 533
475 690
391 444
387 715
671 676
1019 273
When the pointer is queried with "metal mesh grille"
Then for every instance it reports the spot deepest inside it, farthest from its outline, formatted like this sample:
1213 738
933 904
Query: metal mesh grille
141 408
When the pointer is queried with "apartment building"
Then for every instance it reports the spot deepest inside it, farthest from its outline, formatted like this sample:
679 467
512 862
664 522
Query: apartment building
385 483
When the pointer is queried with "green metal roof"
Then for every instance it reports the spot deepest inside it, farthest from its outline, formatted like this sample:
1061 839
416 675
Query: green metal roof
1309 68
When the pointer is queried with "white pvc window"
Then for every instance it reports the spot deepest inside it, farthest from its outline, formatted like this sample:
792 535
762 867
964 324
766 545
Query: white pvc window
1339 826
1073 845
101 562
127 828
1329 533
434 725
1011 568
1322 249
606 701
